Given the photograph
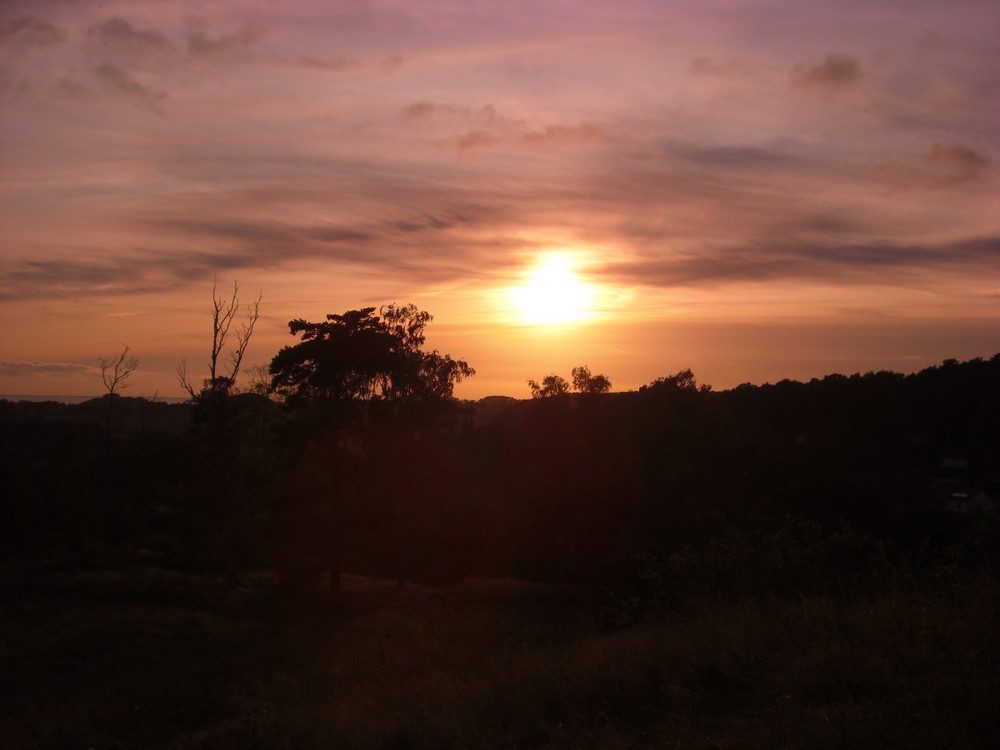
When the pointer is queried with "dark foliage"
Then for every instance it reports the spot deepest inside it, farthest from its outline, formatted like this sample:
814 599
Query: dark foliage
359 469
768 566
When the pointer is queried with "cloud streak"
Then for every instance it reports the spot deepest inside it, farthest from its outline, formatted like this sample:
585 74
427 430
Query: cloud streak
122 83
877 263
944 165
116 39
18 368
26 31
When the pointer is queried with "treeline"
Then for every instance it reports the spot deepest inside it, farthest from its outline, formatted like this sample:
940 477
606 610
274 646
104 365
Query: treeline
780 481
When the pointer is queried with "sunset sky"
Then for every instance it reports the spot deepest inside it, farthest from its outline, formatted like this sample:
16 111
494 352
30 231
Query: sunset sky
755 190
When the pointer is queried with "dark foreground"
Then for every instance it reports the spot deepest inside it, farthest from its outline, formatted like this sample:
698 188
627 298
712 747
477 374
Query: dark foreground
140 657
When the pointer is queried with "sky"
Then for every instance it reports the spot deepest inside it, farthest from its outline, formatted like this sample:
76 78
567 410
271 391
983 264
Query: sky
755 190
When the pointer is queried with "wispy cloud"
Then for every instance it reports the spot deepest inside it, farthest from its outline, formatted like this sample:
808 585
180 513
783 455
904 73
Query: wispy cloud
875 263
27 31
199 42
334 65
34 367
475 140
943 166
711 66
120 82
558 136
833 72
117 37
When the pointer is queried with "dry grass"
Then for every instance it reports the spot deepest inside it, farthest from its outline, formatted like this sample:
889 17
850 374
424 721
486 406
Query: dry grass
150 659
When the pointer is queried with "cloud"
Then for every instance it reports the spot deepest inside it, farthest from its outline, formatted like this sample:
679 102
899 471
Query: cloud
834 72
29 32
962 162
246 244
491 129
392 63
709 66
944 165
422 224
121 82
338 65
420 111
425 110
562 135
235 43
475 140
732 156
457 239
116 39
880 263
34 367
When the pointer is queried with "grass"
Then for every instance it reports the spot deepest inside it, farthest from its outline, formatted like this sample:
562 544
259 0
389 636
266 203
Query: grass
145 658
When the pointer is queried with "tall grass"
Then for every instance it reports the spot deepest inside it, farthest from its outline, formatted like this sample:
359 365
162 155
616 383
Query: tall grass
146 659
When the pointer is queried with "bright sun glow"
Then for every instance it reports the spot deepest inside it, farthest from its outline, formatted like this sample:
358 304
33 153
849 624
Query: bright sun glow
553 294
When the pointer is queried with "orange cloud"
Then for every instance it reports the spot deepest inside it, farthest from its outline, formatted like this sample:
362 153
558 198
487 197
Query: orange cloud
562 135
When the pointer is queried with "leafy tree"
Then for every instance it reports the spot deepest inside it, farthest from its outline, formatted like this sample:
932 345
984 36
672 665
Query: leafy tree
682 381
366 364
365 356
584 382
551 385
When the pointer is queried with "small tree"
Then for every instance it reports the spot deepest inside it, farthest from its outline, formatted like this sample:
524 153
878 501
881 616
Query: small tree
115 372
684 380
219 383
223 445
551 385
258 381
584 382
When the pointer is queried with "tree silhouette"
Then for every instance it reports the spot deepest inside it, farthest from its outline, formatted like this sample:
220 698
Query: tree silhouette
218 384
684 380
551 385
363 368
365 356
222 440
584 382
115 371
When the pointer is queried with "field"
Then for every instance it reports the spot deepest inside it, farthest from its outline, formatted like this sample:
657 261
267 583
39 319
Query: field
130 656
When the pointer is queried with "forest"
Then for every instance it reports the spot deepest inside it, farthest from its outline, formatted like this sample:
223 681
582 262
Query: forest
351 557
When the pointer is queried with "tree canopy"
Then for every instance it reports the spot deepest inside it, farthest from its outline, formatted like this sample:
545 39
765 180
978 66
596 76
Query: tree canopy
551 385
583 382
364 355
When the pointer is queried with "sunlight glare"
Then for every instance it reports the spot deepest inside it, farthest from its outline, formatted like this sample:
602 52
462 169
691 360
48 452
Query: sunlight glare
553 294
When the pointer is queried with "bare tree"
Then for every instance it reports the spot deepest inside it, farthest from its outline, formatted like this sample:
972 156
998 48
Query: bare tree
215 418
259 380
223 312
115 372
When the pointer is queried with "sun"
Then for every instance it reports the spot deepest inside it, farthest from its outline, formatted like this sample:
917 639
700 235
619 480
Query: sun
552 294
